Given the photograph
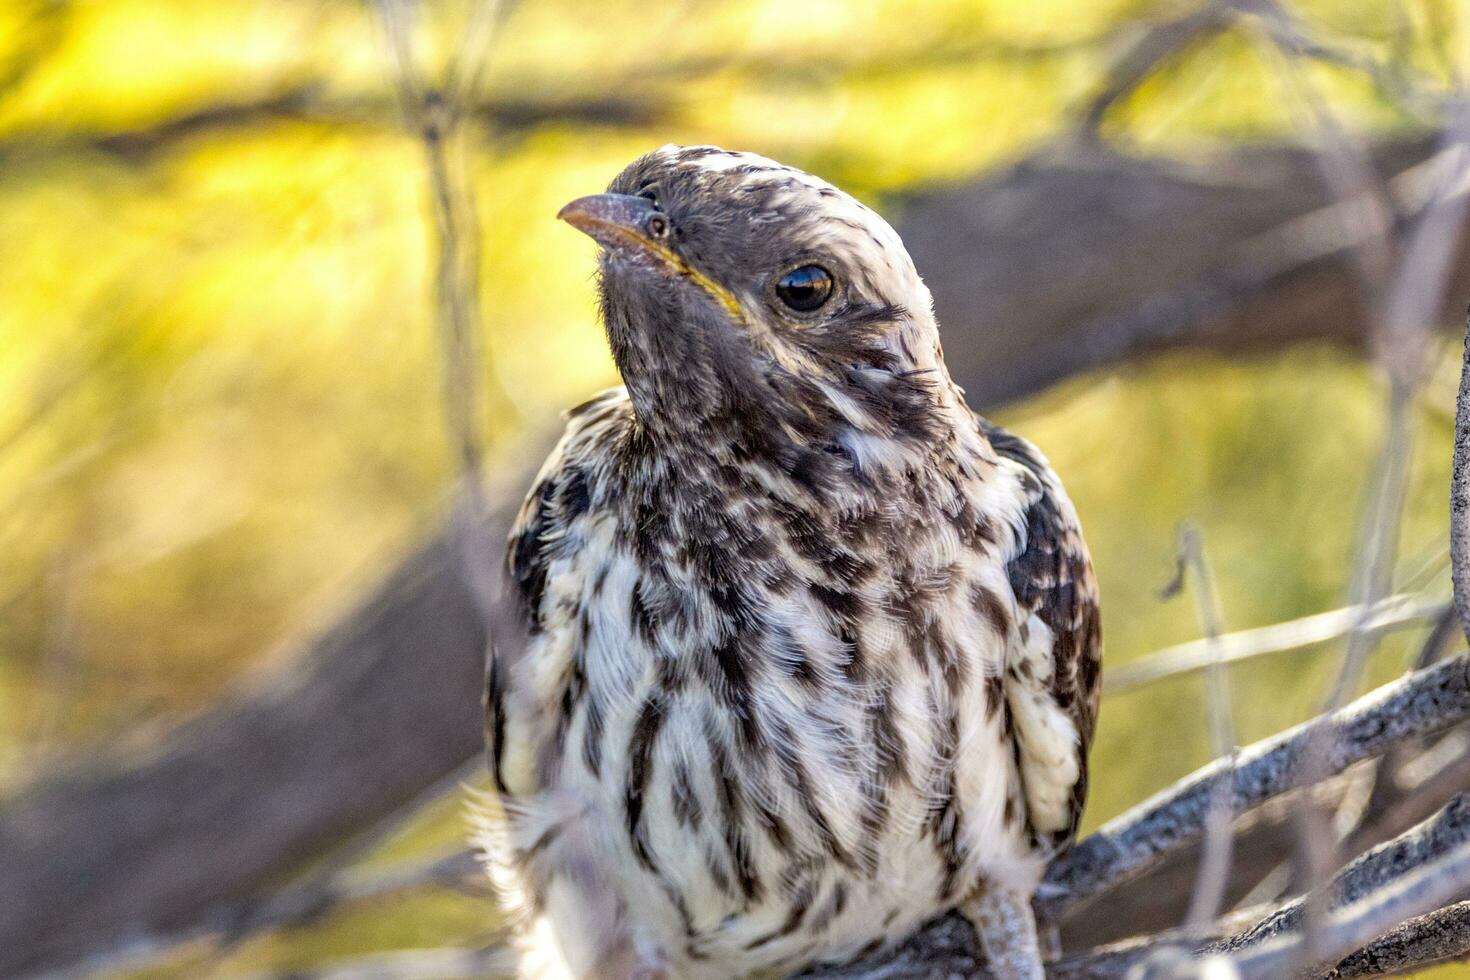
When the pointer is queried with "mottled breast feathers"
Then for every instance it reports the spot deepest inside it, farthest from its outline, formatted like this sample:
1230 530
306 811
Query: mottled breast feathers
778 725
1049 571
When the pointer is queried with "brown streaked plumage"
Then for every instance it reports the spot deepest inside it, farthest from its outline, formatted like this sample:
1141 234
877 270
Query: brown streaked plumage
814 650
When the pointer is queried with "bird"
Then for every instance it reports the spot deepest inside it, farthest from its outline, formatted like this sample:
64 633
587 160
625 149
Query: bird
811 650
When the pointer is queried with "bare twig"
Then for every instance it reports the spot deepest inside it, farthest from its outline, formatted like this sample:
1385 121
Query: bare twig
1408 308
1402 344
1401 789
1342 157
1414 298
1397 612
1431 839
1151 47
1214 869
437 119
1317 844
1444 636
1419 786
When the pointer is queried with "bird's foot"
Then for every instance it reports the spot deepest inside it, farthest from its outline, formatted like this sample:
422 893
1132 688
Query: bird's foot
1007 929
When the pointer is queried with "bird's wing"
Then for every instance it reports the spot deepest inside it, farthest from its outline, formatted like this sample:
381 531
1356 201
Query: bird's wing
560 495
550 525
1054 670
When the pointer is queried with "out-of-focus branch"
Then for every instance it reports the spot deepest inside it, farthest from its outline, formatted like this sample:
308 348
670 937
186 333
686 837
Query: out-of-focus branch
334 882
1342 157
632 101
309 104
458 869
42 32
412 964
292 907
1213 877
129 844
1394 613
1152 46
437 116
1291 276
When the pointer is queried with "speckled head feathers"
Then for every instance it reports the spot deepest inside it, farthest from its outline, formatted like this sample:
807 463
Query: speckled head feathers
700 247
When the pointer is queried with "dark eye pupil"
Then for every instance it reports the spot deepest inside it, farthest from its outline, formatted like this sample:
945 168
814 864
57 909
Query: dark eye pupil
806 288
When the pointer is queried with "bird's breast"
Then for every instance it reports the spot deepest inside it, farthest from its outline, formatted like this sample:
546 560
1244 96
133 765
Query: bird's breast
792 726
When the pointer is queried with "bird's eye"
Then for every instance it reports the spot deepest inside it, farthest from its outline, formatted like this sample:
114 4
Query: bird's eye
806 288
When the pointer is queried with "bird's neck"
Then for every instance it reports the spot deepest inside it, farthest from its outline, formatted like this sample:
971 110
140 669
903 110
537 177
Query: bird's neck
843 439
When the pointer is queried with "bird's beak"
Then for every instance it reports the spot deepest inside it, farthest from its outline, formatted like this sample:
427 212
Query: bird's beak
634 228
617 222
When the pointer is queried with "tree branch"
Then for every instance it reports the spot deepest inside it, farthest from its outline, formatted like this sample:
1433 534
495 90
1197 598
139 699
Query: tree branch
1404 856
1153 46
1460 496
307 103
1372 896
1421 703
1424 941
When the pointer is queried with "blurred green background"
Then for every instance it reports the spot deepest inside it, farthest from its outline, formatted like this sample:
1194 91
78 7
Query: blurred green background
220 411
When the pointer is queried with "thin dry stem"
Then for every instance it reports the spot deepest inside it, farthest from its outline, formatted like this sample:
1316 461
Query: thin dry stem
1398 612
1214 870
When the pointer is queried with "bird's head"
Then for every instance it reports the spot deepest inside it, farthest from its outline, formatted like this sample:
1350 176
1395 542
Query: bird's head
734 288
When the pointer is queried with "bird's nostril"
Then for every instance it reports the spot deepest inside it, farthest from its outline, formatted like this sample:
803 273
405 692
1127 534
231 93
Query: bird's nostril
658 226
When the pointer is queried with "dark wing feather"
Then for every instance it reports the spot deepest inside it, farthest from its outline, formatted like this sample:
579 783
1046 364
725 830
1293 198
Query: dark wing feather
1052 578
562 493
527 561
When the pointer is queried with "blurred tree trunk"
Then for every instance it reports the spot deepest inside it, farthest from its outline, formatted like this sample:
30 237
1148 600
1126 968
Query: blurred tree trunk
380 707
1078 257
1072 259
